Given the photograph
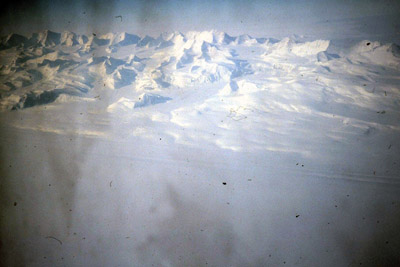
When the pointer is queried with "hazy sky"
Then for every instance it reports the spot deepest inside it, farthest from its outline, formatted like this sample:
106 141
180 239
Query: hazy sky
260 18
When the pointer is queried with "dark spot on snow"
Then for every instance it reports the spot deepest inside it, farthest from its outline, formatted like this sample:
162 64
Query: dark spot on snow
302 165
49 184
335 206
249 180
297 216
388 147
15 204
224 183
94 34
368 43
160 138
297 164
374 172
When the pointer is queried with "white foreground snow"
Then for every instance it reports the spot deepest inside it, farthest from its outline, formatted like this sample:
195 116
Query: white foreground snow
198 149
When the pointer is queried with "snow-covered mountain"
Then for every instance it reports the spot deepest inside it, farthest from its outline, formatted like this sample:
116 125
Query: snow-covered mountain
239 77
68 63
206 79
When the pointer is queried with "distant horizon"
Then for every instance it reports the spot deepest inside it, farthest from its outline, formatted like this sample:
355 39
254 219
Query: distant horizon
140 35
276 19
157 35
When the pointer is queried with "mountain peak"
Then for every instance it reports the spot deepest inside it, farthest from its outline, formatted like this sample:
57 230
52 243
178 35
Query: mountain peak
46 38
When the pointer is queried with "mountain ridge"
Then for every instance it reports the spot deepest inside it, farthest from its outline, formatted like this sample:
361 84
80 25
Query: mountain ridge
76 64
